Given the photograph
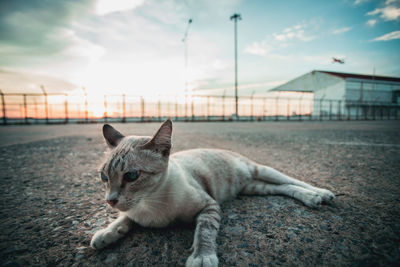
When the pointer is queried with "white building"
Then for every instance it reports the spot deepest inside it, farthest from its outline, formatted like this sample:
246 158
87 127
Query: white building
347 94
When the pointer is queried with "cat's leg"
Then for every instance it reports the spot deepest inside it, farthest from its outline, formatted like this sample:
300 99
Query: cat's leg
308 197
112 233
270 175
204 243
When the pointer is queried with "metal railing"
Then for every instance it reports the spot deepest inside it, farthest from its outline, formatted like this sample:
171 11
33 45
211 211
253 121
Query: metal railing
50 108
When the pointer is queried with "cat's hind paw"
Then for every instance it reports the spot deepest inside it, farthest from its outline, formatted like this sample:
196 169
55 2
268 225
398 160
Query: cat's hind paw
312 200
199 260
326 195
103 238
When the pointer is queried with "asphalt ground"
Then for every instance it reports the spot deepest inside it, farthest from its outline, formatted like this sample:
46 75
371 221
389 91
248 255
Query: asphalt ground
52 200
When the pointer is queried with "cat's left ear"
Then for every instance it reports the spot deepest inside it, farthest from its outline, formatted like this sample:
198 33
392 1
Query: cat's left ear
112 136
161 141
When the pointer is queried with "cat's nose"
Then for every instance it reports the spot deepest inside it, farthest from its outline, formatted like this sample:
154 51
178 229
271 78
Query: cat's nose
112 202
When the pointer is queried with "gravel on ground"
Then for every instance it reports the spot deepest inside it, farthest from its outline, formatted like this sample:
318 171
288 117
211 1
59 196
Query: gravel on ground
52 200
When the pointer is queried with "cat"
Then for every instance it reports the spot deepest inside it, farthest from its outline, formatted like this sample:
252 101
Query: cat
153 188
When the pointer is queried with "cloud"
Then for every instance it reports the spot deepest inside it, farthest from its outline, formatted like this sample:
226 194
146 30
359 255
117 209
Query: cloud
389 36
270 47
104 7
387 13
258 48
358 2
35 32
371 22
36 23
293 33
388 2
13 81
342 30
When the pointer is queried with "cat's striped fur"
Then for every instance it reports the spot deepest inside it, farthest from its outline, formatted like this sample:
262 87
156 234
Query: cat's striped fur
186 186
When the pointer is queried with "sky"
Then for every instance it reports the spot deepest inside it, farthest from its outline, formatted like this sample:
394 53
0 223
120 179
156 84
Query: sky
135 47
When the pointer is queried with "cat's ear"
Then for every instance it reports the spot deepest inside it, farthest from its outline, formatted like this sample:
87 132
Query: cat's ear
161 141
112 136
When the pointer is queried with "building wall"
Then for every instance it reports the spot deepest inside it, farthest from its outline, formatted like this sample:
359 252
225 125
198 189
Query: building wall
330 99
370 91
365 97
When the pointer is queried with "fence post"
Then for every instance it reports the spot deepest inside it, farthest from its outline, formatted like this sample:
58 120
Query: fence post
320 109
159 108
186 106
123 109
66 108
252 106
176 108
340 110
264 107
288 109
208 107
223 106
105 108
142 109
348 110
357 110
301 99
86 105
192 107
373 110
25 110
36 110
388 111
365 111
330 110
3 104
45 104
276 106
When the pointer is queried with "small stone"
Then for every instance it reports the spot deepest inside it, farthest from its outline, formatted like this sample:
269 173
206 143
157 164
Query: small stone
243 245
111 260
79 256
235 230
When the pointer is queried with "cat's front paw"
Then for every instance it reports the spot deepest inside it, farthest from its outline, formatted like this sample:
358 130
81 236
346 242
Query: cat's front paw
202 260
103 238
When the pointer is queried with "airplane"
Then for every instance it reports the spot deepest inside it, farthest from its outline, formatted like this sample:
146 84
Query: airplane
337 60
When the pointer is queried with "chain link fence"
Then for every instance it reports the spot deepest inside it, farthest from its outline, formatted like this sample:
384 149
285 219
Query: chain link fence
63 108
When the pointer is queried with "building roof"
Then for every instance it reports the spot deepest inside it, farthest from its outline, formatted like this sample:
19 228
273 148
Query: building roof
361 76
307 82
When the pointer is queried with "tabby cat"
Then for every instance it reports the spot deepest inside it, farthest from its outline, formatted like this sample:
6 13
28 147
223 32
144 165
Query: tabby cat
153 188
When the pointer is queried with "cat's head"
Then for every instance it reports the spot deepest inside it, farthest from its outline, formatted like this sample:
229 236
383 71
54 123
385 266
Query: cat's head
135 166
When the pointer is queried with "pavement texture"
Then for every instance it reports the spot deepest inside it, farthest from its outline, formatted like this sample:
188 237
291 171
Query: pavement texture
52 200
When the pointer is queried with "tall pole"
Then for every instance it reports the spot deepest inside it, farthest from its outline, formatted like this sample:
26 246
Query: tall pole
235 17
184 40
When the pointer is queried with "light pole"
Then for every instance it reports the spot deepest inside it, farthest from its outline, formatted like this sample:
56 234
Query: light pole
184 40
235 17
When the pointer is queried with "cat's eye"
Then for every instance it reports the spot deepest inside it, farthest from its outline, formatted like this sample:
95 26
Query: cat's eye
131 176
104 177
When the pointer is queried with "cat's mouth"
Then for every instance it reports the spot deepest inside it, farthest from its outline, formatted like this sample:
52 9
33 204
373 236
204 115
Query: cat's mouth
122 208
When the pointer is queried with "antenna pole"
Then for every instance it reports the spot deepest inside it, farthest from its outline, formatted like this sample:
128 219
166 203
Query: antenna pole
235 17
184 40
